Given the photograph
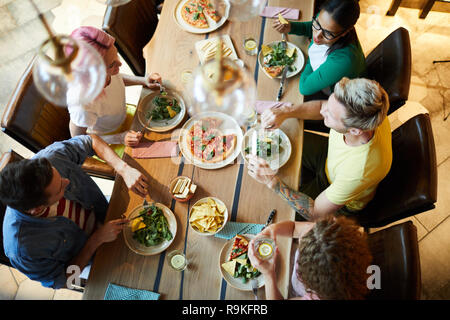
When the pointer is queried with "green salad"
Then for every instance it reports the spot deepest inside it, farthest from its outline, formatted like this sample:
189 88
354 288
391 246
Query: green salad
279 56
153 228
244 269
165 108
266 147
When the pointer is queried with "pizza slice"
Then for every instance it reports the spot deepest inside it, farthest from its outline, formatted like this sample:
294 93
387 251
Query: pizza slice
209 10
240 246
192 13
274 71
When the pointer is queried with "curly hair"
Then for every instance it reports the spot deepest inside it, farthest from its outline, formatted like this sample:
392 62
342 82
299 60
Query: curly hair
333 259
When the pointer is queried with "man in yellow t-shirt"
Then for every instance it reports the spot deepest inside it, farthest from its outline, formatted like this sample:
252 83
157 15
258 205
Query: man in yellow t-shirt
341 172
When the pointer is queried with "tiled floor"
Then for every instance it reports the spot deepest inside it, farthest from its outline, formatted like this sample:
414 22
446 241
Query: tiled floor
430 92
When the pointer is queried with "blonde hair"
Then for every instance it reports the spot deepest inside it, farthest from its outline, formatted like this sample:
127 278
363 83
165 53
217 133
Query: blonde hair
365 101
333 259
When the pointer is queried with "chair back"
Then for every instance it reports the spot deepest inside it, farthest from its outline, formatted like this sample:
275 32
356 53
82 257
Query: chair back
390 65
6 158
132 25
30 119
395 251
35 123
410 187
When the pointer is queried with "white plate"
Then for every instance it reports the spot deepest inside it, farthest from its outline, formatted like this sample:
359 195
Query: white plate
149 251
146 105
212 25
232 281
275 161
298 62
228 126
227 41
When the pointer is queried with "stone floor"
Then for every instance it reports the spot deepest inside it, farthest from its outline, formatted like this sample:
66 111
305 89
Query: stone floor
430 92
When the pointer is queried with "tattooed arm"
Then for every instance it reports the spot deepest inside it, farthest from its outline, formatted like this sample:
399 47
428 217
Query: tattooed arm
300 202
310 209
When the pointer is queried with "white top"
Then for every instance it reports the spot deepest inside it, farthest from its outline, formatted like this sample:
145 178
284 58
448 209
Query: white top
317 55
106 113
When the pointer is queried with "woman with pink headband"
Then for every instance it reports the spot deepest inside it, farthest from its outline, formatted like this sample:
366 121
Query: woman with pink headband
108 115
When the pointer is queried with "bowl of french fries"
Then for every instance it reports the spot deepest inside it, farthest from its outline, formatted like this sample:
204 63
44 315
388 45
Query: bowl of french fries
208 216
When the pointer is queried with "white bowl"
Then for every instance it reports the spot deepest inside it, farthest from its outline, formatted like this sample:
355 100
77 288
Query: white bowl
225 216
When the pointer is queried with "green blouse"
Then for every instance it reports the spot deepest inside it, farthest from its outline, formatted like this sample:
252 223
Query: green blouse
345 62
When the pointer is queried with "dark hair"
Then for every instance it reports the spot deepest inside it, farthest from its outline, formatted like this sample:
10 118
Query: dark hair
333 259
23 183
345 13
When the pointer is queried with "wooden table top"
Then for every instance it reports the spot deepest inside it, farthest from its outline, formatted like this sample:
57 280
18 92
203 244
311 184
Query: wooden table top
170 52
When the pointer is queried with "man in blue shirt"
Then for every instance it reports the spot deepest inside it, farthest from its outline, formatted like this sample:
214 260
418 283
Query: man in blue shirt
55 210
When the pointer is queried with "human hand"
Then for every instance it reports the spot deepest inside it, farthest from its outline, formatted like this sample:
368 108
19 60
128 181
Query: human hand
132 138
110 230
273 118
135 181
281 27
260 170
266 267
153 81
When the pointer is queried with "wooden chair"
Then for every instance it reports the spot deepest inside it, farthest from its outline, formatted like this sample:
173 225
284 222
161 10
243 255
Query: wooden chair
395 251
6 158
411 184
132 25
36 123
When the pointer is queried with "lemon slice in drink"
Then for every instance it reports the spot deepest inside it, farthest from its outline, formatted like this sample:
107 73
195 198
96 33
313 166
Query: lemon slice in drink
177 261
250 44
265 250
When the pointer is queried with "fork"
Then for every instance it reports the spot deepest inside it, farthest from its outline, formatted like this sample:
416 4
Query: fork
254 284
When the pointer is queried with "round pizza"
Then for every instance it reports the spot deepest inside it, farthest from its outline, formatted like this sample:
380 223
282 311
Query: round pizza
194 11
207 143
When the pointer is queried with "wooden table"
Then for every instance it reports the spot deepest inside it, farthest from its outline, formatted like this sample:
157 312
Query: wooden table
171 51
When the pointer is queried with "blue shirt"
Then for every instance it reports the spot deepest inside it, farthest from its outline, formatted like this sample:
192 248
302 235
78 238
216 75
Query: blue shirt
42 247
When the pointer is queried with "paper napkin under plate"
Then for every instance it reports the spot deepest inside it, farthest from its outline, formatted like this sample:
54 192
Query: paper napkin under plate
233 228
287 13
261 106
116 292
156 149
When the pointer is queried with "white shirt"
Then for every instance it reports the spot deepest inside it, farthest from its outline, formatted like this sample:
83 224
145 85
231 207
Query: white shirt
106 113
317 55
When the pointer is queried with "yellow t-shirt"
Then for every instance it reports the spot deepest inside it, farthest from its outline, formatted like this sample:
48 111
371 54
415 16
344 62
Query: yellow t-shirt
355 171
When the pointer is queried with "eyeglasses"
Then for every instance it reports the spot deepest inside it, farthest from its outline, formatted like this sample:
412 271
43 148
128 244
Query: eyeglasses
326 34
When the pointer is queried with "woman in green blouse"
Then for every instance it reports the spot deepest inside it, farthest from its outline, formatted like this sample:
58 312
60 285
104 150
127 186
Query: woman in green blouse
335 51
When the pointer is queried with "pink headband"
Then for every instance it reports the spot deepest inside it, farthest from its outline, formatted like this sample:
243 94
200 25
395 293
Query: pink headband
97 38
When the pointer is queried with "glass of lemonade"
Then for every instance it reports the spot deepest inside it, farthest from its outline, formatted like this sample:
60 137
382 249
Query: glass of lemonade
177 260
265 248
250 46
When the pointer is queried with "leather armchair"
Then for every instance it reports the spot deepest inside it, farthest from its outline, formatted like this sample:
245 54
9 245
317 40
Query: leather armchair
6 158
132 25
36 123
390 64
395 250
410 187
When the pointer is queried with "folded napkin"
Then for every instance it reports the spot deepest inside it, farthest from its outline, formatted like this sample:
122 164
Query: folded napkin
157 149
261 106
232 228
115 292
287 13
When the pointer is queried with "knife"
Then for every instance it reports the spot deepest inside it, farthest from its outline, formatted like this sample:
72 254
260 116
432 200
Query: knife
270 218
285 70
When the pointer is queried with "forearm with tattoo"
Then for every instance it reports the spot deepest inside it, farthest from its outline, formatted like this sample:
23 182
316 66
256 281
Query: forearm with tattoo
300 202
